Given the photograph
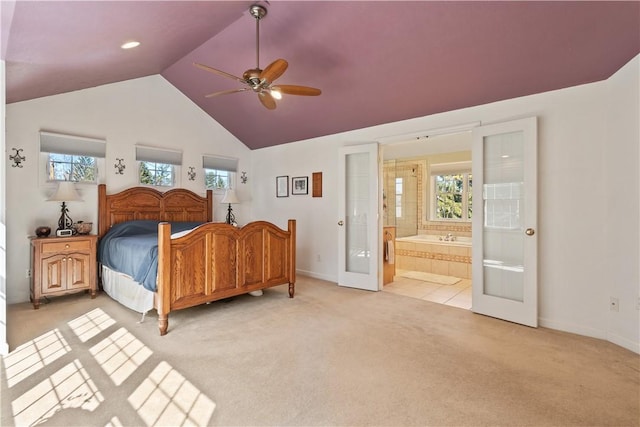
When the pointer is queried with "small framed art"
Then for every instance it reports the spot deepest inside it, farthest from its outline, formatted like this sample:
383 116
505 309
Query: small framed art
300 185
282 186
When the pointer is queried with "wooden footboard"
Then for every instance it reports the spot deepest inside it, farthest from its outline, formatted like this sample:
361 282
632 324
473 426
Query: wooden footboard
218 260
214 261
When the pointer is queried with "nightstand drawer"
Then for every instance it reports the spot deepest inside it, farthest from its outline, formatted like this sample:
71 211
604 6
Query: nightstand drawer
78 245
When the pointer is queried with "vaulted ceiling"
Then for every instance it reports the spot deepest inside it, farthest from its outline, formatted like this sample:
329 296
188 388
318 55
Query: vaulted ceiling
375 61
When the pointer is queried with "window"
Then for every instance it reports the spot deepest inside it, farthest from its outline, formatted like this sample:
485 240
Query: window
452 192
71 158
158 174
398 197
217 179
219 172
68 167
158 166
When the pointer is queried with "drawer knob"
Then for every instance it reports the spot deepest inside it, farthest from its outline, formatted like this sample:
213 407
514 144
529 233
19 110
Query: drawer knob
66 246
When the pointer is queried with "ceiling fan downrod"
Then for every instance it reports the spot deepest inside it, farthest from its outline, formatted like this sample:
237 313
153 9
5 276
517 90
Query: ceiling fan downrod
258 12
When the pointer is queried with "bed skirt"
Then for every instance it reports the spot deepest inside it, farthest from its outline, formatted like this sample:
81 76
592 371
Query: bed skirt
126 291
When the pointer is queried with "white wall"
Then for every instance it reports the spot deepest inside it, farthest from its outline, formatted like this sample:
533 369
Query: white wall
586 134
4 346
146 111
622 204
575 277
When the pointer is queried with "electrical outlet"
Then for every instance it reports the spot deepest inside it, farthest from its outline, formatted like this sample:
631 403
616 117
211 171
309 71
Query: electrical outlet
318 259
28 275
614 304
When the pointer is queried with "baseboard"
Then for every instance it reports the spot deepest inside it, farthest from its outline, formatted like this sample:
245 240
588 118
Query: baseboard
317 275
591 332
624 342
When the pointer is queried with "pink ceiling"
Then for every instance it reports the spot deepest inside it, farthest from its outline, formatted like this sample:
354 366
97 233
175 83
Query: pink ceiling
375 61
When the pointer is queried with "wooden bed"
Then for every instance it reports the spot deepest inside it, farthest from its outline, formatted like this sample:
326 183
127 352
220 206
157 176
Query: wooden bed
214 261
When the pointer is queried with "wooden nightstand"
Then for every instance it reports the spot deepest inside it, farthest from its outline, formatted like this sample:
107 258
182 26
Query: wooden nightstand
62 265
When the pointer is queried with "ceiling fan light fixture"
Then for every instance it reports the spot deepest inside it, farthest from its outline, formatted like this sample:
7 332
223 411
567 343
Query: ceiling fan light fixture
276 94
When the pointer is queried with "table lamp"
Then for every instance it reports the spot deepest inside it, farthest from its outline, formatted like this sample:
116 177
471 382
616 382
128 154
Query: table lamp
66 192
230 197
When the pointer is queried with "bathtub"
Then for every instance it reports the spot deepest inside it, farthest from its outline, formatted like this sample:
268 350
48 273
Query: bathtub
427 253
435 240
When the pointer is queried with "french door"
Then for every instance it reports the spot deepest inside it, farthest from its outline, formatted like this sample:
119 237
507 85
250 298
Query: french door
359 231
504 253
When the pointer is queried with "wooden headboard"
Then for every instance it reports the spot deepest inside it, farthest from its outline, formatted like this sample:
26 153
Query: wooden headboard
135 203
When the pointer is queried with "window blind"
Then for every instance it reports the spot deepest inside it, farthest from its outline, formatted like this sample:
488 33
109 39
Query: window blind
69 144
228 164
158 155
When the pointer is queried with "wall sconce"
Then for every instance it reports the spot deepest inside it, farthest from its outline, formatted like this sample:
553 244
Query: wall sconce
192 173
66 192
243 177
119 167
17 158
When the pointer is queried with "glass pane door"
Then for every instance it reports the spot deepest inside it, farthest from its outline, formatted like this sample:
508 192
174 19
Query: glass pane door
359 231
504 239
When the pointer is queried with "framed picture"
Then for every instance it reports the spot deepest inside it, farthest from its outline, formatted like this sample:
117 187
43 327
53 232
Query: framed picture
282 186
300 185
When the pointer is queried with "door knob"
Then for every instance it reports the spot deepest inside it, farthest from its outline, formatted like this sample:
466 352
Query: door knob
530 232
340 223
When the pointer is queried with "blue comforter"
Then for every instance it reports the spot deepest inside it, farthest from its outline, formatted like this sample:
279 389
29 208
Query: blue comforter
132 248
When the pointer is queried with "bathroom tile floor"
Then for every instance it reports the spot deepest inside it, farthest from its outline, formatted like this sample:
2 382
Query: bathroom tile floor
456 295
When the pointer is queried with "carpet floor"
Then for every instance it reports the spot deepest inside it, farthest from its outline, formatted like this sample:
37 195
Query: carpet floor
331 356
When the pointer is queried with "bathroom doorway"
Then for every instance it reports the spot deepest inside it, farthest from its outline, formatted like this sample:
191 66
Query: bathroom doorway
426 218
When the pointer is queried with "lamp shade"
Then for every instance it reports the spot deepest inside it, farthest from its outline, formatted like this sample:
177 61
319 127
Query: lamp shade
230 197
66 192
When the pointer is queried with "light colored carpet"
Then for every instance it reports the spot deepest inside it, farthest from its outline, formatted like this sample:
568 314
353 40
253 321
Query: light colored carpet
428 277
331 356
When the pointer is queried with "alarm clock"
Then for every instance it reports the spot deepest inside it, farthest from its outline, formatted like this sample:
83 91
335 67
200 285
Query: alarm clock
64 233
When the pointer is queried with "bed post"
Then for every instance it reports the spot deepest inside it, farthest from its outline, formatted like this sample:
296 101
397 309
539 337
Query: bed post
103 227
292 257
164 276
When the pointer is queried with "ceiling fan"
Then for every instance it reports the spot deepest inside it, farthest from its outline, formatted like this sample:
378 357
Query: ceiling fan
258 80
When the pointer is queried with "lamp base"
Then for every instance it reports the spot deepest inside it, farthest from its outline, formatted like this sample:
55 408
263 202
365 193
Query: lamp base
65 222
231 219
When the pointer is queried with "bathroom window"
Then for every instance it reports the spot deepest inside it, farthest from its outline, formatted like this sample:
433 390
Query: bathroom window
399 197
452 192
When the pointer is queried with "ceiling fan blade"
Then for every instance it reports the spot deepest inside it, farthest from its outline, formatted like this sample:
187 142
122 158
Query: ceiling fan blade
224 92
297 90
267 100
218 72
274 70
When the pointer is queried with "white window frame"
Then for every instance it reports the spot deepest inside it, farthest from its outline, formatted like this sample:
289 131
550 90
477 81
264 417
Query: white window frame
456 168
220 164
163 156
55 143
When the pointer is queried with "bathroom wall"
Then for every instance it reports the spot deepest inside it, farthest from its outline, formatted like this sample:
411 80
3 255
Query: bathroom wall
416 200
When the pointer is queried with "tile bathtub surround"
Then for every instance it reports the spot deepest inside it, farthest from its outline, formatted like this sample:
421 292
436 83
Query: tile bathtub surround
434 258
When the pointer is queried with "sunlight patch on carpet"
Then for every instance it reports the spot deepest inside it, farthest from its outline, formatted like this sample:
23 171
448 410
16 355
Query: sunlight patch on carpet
167 398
